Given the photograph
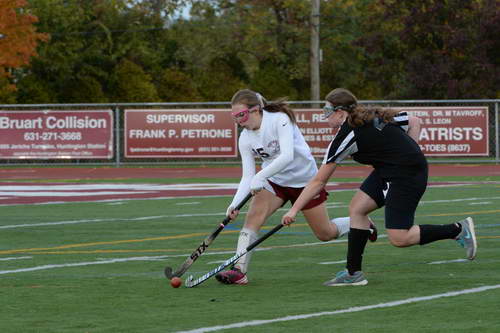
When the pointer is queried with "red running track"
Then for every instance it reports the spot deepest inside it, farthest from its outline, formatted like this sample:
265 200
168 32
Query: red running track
15 193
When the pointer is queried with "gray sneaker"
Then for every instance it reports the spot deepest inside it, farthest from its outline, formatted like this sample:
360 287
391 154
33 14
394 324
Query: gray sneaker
343 278
467 237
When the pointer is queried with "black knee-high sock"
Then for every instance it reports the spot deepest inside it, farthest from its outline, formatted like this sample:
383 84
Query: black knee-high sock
355 248
431 232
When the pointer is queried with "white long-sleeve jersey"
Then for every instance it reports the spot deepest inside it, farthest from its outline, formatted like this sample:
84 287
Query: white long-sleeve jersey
287 158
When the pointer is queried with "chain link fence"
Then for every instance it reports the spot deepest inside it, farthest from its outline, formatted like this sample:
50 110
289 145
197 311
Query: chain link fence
118 110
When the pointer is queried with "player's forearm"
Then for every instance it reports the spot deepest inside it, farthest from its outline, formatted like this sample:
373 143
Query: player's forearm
243 190
248 171
280 163
314 186
310 191
414 126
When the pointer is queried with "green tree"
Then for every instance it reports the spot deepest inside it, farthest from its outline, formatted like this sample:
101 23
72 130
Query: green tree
218 82
32 90
59 59
176 86
272 82
377 48
344 61
89 39
84 89
254 32
7 90
131 84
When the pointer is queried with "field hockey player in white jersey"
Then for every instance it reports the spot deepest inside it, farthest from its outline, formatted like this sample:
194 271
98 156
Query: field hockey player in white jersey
271 133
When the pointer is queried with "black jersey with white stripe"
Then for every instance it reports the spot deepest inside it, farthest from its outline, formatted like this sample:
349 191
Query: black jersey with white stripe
385 146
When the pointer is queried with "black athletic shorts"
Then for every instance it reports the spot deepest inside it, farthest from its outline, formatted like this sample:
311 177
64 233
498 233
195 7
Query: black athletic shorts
400 196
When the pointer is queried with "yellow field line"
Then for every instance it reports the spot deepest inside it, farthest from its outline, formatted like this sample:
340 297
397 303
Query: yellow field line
213 249
464 213
70 246
106 251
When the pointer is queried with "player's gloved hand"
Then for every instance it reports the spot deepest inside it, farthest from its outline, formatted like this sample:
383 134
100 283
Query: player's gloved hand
257 184
232 213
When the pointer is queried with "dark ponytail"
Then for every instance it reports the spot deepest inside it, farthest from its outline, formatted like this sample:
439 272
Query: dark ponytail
358 115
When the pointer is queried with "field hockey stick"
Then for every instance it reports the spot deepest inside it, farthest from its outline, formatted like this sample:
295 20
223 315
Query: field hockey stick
190 282
203 246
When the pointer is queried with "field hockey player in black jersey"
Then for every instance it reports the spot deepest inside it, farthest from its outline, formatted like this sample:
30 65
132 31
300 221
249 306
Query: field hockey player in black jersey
387 140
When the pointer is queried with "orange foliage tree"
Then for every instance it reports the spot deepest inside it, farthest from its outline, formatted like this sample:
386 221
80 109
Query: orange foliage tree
18 39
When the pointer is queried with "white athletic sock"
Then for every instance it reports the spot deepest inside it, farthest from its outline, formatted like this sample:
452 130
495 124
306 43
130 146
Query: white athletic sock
342 224
246 238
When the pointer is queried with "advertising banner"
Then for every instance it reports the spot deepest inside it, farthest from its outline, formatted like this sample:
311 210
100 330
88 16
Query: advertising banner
47 134
446 131
180 133
453 130
315 130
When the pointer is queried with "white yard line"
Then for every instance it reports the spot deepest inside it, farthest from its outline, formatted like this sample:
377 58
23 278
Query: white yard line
141 187
150 258
447 261
52 190
15 258
348 310
163 257
334 205
332 262
6 194
457 200
116 199
76 264
143 218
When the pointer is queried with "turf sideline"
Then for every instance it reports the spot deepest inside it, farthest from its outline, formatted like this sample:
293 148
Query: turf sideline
329 205
348 310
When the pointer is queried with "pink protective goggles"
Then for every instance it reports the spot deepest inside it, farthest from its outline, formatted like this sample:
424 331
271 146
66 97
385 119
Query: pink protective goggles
241 116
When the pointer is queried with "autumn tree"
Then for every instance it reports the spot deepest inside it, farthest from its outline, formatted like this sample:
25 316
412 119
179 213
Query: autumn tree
141 50
433 49
18 41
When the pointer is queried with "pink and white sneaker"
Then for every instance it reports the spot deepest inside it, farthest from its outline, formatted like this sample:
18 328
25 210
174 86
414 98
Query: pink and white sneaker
232 276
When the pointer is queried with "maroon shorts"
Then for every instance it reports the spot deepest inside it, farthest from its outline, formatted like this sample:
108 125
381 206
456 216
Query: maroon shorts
292 193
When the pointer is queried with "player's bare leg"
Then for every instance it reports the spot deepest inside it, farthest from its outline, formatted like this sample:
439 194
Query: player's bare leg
322 227
263 205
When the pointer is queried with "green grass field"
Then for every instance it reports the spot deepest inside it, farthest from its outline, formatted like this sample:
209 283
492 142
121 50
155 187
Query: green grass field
98 267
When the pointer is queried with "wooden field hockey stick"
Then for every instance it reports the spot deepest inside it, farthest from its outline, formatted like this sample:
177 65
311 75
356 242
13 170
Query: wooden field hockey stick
169 274
190 282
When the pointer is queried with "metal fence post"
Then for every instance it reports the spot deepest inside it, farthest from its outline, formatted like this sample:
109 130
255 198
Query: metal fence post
118 141
117 137
497 154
